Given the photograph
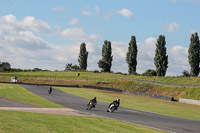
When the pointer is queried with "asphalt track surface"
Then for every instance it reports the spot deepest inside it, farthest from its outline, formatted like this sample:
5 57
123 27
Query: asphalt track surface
163 122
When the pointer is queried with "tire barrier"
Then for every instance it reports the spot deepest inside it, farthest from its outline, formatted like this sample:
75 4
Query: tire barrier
182 100
131 92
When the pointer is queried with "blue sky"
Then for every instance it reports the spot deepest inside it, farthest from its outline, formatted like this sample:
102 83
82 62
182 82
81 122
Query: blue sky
47 33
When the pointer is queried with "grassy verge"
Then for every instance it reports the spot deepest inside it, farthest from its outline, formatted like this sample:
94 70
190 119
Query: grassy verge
23 122
141 103
18 93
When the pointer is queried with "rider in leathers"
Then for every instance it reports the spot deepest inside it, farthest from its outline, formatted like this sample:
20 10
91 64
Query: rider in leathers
116 103
94 100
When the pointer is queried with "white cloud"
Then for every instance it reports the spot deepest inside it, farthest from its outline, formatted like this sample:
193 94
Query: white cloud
10 22
179 55
57 9
86 13
125 12
172 27
22 49
178 60
97 9
36 25
74 21
77 34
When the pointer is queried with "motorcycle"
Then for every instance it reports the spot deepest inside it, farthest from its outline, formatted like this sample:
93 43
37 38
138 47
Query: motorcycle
112 108
90 106
49 90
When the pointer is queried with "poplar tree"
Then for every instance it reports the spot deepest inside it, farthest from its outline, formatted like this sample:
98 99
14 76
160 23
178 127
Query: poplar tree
83 55
193 54
161 57
131 55
106 62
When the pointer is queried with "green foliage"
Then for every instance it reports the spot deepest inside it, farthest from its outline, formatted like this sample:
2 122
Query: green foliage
150 72
83 55
185 73
161 57
96 71
70 67
131 55
37 69
75 68
5 67
193 54
106 62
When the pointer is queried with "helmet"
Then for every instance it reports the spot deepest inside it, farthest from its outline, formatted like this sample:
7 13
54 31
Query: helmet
118 100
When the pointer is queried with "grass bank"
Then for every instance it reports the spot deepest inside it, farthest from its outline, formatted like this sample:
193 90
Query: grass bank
91 76
18 93
184 87
23 122
141 103
171 91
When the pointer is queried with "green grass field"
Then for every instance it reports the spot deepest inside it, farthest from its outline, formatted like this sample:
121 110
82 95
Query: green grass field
18 93
139 102
24 122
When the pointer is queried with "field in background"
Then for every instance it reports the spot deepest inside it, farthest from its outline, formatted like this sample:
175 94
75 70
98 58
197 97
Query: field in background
177 87
139 102
23 122
91 76
18 93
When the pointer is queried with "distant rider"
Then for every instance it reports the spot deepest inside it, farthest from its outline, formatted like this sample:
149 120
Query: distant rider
50 90
116 103
94 100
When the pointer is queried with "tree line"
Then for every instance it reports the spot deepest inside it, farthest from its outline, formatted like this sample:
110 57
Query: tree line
160 58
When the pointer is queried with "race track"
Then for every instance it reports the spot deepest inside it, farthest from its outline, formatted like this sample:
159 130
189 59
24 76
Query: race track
153 120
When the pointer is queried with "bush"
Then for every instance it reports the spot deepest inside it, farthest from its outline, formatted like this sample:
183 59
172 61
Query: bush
121 73
70 67
96 71
186 73
134 73
150 72
5 67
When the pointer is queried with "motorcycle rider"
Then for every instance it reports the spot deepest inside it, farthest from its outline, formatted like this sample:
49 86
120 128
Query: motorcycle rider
116 103
94 100
50 90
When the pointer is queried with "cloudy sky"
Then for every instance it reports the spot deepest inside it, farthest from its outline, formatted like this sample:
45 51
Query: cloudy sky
47 33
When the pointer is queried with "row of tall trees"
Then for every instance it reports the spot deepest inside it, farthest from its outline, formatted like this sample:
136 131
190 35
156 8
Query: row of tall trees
160 59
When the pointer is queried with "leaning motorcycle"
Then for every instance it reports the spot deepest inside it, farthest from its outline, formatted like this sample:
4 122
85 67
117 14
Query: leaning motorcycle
90 105
49 90
112 108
